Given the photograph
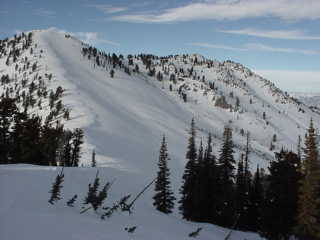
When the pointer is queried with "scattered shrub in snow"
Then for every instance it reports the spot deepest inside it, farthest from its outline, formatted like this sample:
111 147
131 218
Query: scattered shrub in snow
222 102
72 200
195 233
95 198
56 188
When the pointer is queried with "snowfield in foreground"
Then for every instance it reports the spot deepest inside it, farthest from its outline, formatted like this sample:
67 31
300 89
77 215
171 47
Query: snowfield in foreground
26 214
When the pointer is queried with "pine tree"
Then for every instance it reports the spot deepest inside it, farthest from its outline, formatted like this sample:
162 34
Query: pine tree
248 185
226 179
8 61
163 199
212 182
241 196
199 194
280 206
50 140
102 195
207 187
308 226
111 73
159 76
255 203
92 190
8 110
17 138
94 197
137 68
67 149
247 173
237 103
93 159
77 142
189 177
56 188
30 141
299 147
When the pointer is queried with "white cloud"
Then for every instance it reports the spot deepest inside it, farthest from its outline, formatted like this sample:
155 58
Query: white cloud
18 31
256 47
115 9
108 9
293 81
217 46
91 38
267 48
88 37
276 34
44 12
231 10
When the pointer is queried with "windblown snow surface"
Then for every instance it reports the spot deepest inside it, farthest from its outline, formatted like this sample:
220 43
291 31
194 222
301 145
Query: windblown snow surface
124 119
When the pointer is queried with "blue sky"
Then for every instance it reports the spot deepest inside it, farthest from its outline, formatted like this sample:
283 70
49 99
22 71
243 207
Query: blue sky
278 38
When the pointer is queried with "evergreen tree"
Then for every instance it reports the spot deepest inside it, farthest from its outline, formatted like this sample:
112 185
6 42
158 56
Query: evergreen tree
226 181
95 198
67 148
247 173
241 196
56 188
102 195
30 141
93 189
255 203
244 217
208 181
17 138
25 139
189 178
137 68
308 226
299 147
50 139
77 142
159 76
93 159
163 199
8 109
111 73
198 195
280 206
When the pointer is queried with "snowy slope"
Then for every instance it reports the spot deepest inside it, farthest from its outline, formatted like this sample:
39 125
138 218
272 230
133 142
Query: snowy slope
26 214
132 112
124 118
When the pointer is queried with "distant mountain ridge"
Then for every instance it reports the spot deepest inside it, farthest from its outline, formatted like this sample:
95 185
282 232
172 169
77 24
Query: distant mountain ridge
310 99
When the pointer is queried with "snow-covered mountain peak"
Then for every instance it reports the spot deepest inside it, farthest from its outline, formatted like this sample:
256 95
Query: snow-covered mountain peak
149 96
